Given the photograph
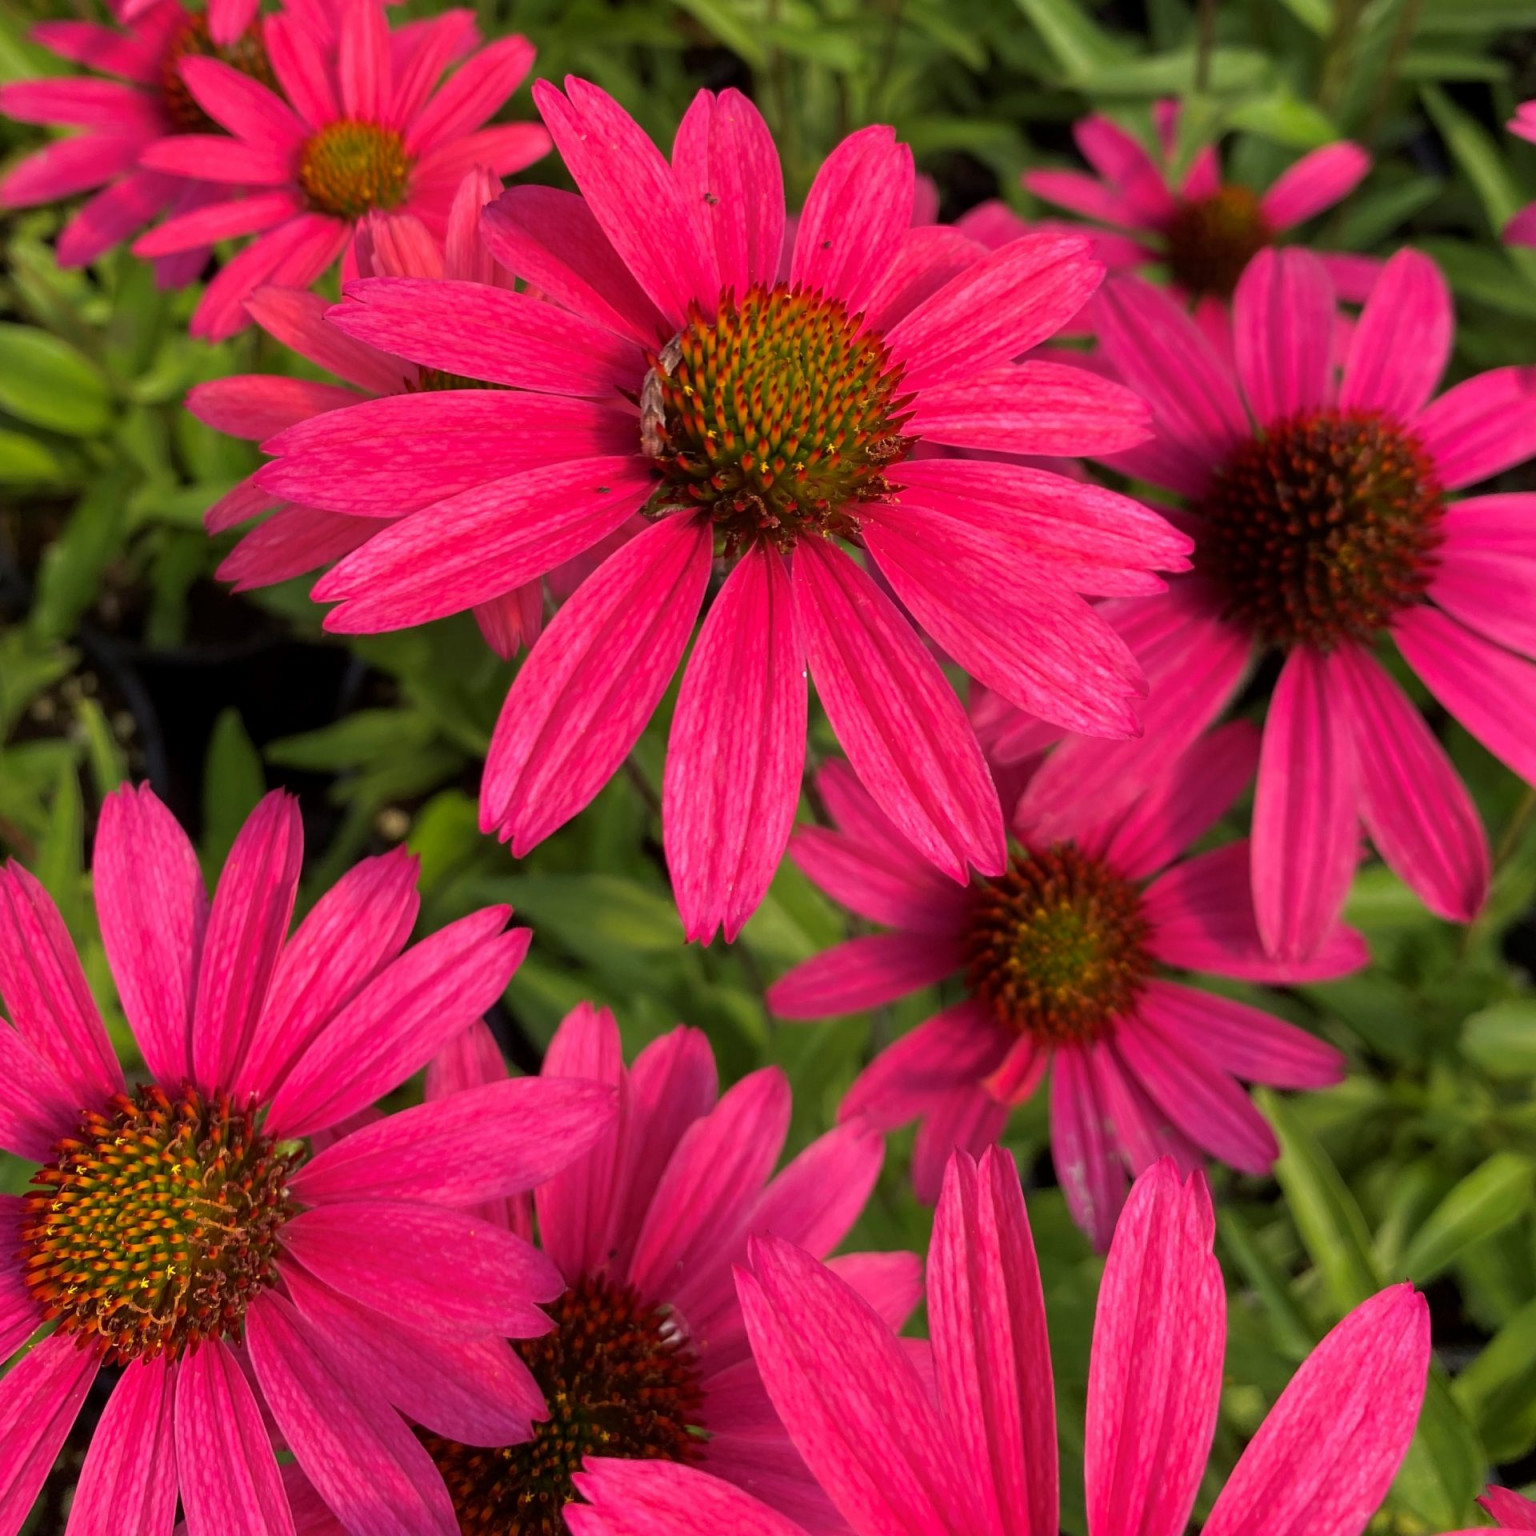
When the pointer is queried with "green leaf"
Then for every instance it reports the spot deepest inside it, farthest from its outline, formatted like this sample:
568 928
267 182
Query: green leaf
70 575
233 782
102 752
1494 1194
1077 44
1498 1389
600 918
1444 1468
354 741
25 460
1291 1330
720 18
1283 118
1159 74
62 851
1501 1039
45 381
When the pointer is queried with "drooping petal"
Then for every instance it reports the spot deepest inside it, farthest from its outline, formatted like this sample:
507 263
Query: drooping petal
1402 341
241 104
866 972
128 1482
907 893
1091 1173
472 95
39 1398
966 1119
1282 324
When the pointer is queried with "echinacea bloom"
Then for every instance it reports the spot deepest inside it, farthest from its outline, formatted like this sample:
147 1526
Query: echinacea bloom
1062 962
144 100
180 1230
968 1448
769 430
353 127
294 540
1323 522
649 1357
1521 230
1511 1510
1203 229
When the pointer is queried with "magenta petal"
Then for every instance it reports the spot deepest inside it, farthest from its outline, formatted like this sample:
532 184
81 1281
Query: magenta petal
399 1021
229 1479
1316 181
1482 426
895 892
966 1120
292 542
1282 327
471 96
865 973
20 1316
1306 808
465 1275
1087 1162
1510 1510
1322 1460
1402 341
857 211
152 909
991 1350
256 407
128 1483
815 1201
39 1398
37 1107
662 1498
736 753
587 688
895 714
1488 583
298 321
367 1466
1154 1383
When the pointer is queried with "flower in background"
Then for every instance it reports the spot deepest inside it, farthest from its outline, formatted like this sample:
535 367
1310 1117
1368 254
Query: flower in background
1521 230
969 1445
145 102
1322 516
763 426
1205 231
354 128
294 540
649 1356
179 1231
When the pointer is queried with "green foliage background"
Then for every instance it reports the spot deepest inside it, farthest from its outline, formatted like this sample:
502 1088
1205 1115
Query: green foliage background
120 656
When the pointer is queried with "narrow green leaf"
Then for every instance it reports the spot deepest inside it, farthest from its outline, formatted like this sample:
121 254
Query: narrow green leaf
26 460
1444 1468
233 782
1291 1330
62 850
1494 1194
1501 1039
105 757
1079 47
45 381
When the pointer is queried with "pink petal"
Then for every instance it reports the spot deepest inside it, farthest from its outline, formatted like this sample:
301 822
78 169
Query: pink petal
399 1021
240 505
953 1050
224 1463
892 709
152 908
227 19
864 973
1122 161
1489 585
856 213
46 994
736 752
514 618
244 106
1247 1042
1412 800
1018 1074
298 321
300 69
37 1107
292 542
816 1200
472 96
1403 340
115 108
246 928
100 48
255 406
293 255
1509 1509
1154 1383
366 1465
20 1316
1324 1457
1142 1134
1316 181
1081 194
662 1498
587 688
128 1482
66 167
1091 1174
111 216
1482 426
218 221
928 258
965 1120
896 892
501 150
39 1398
1306 808
990 1345
1282 323
231 161
436 44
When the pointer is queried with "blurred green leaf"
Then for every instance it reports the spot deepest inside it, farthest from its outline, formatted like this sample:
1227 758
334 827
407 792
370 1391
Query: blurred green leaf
232 784
45 381
1501 1039
1080 47
1484 1202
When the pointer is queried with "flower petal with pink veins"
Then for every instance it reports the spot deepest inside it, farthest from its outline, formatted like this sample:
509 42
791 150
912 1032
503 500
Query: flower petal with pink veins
635 195
128 1482
736 753
40 1397
152 909
1509 1509
1154 1382
258 406
584 694
497 1139
110 216
100 48
851 1400
727 167
292 255
462 1275
1306 809
1247 1042
398 1021
1324 1457
246 928
1414 805
37 1107
239 505
1491 691
218 221
1080 194
297 319
930 256
991 1351
995 310
1490 590
1032 407
46 994
471 96
664 1498
242 105
108 105
895 714
1015 1078
965 1120
481 543
1125 164
230 1484
1403 340
233 162
814 1202
367 1466
1315 182
856 214
1282 325
884 890
20 1316
1143 1134
866 972
1087 1160
1483 426
434 46
292 542
892 1283
301 70
68 166
1202 919
953 1050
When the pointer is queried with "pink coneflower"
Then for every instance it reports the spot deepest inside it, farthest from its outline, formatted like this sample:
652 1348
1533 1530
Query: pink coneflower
179 1230
1521 230
1061 961
1205 231
1322 520
649 1356
1509 1509
145 102
356 129
764 427
967 1447
294 540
